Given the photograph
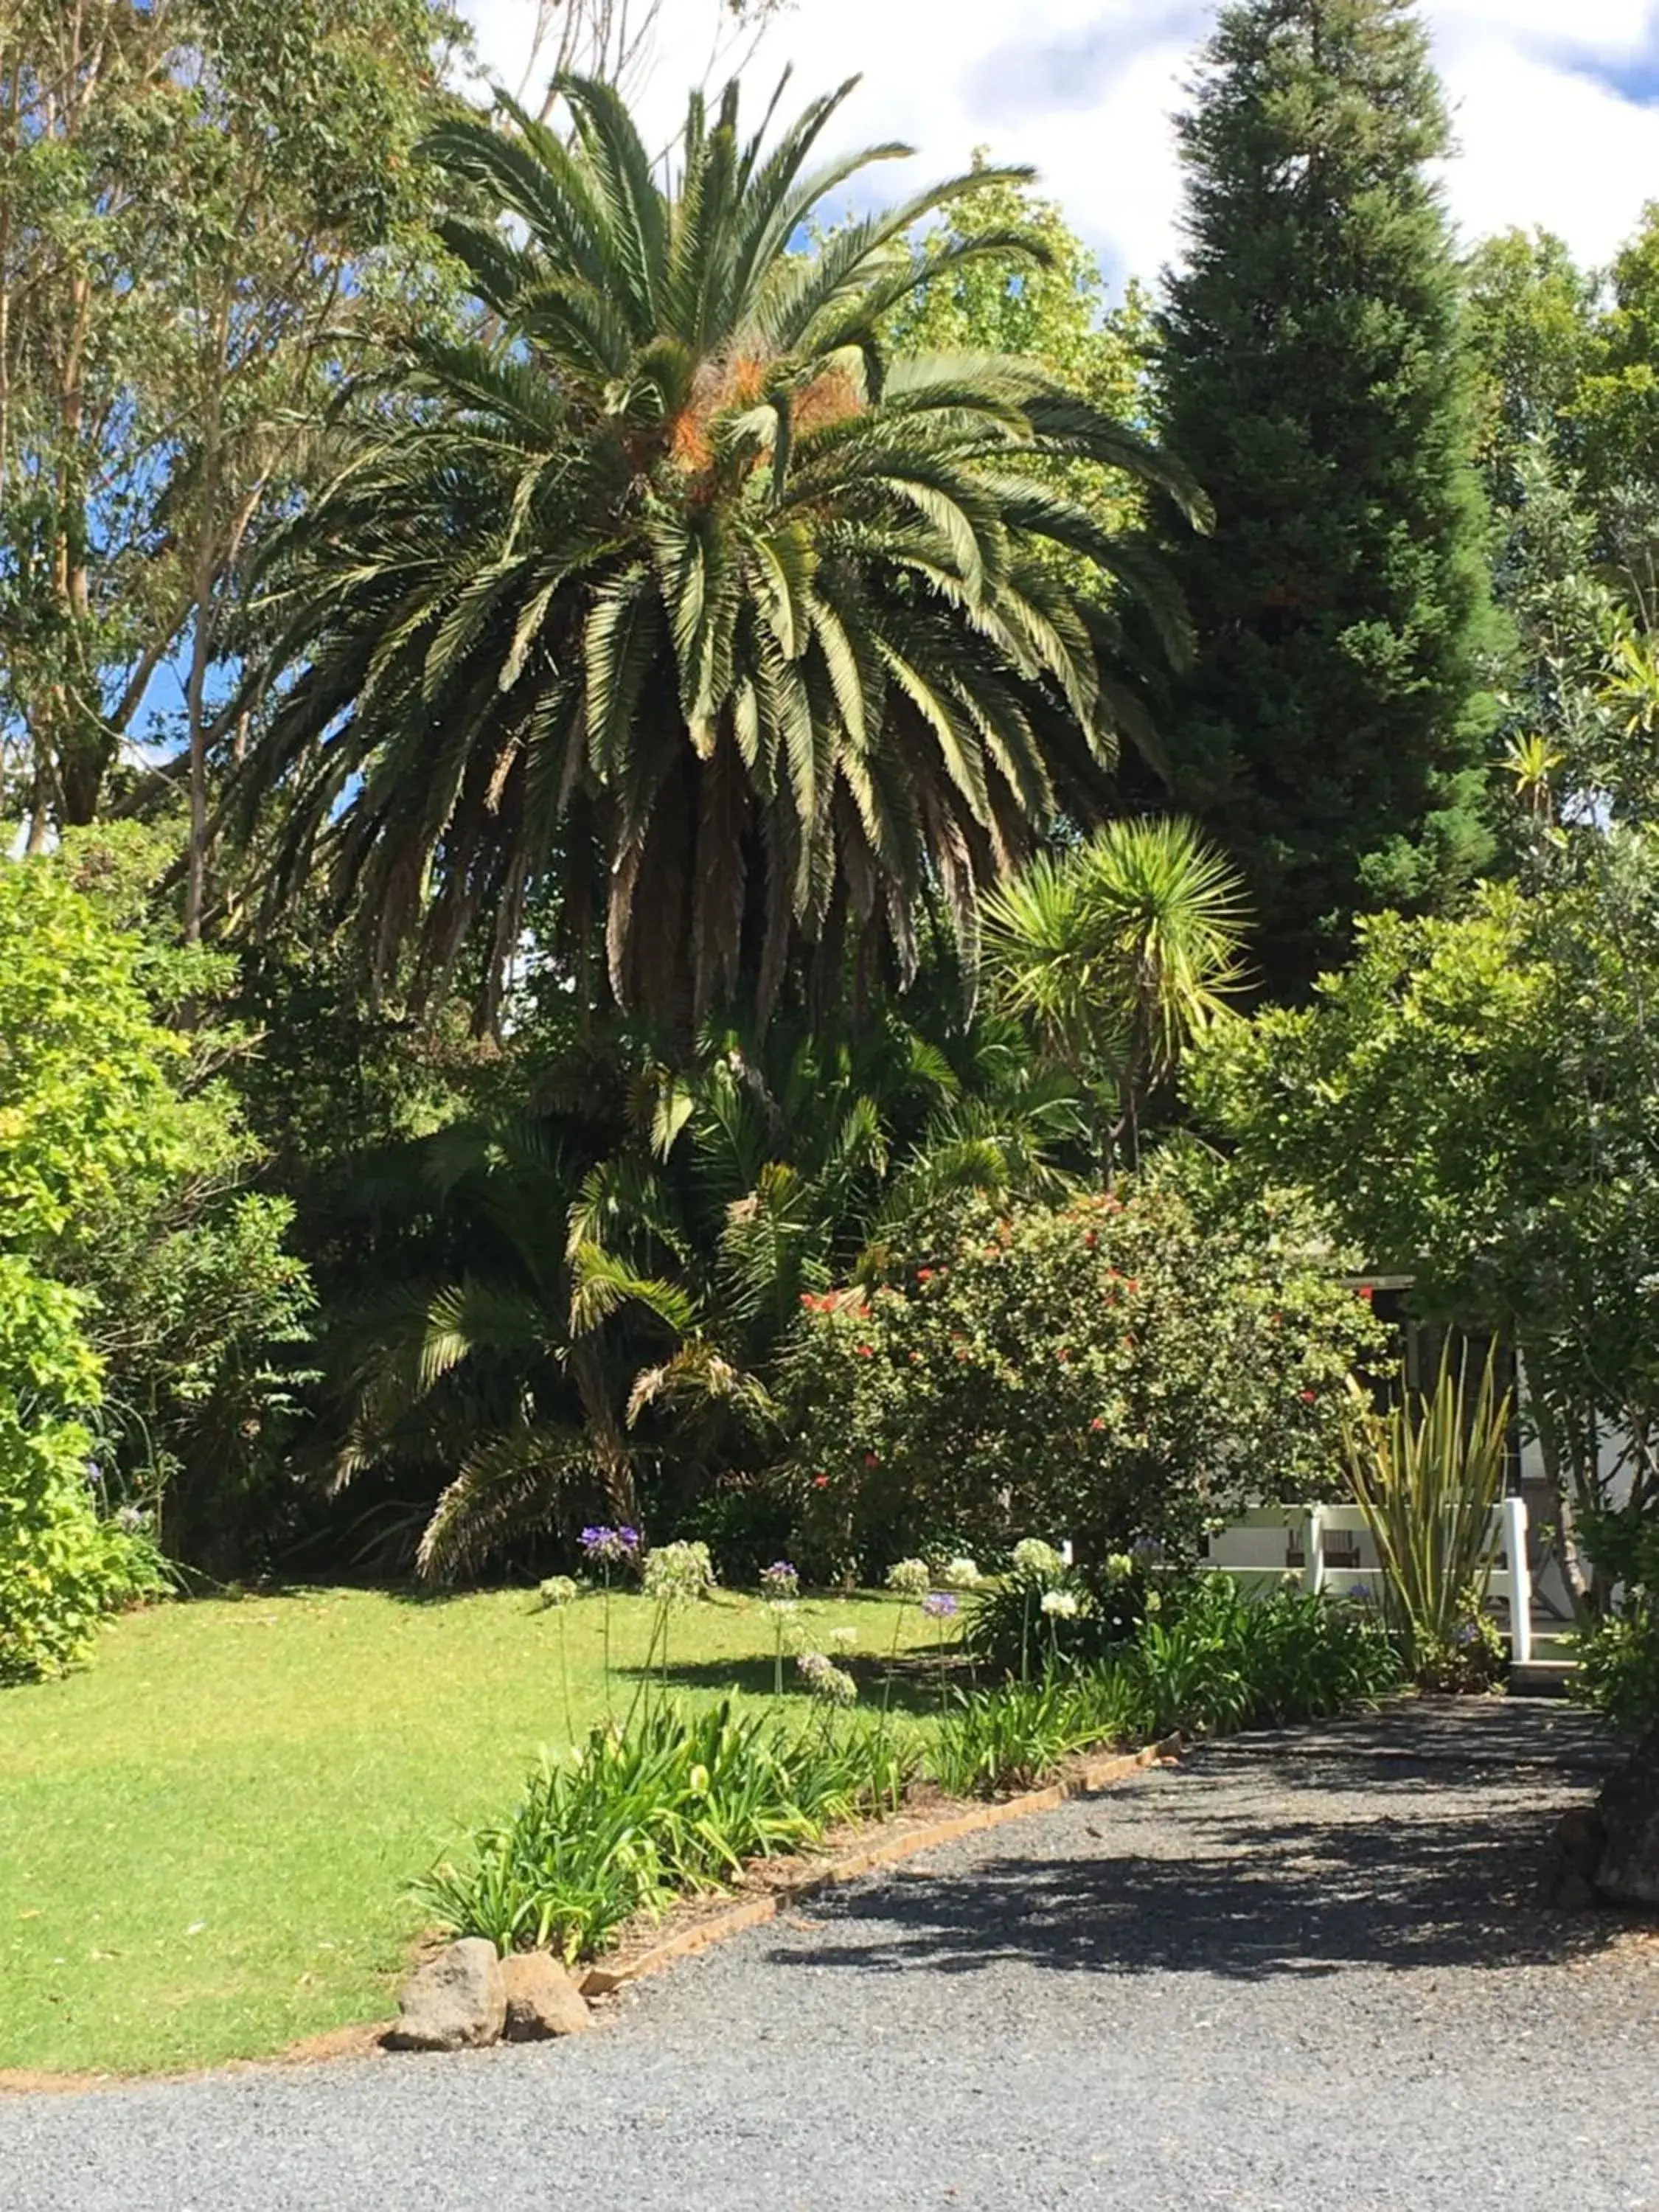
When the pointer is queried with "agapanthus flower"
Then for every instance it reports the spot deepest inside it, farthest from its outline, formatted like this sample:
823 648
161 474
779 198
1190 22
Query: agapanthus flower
908 1577
1059 1605
1033 1556
960 1574
825 1679
844 1638
940 1605
610 1547
557 1590
676 1573
780 1580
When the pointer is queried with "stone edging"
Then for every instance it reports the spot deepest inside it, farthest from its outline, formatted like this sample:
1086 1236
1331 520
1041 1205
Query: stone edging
755 1912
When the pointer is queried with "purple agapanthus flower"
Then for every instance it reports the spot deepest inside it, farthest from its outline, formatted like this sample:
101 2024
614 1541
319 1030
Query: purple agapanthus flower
940 1604
611 1547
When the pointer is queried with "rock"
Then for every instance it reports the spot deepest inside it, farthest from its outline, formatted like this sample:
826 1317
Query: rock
1574 1853
455 2002
1627 1871
541 1998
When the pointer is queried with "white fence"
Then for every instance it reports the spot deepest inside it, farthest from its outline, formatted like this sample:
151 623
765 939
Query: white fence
1330 1547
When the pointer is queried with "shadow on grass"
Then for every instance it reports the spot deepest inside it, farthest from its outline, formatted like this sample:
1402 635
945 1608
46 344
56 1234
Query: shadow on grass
1415 1838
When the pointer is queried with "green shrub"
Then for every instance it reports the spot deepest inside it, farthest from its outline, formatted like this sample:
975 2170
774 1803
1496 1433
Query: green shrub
1092 1610
1205 1660
62 1564
1617 1671
1115 1369
670 1804
1214 1659
1018 1735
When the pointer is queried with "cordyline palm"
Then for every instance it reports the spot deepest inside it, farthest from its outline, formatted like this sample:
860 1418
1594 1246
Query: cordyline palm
1118 952
670 578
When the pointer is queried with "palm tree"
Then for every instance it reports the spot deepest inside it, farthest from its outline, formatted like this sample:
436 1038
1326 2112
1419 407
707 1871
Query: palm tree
669 584
614 1277
1118 952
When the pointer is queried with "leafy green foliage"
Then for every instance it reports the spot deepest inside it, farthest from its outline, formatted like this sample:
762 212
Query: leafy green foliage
1008 1631
1617 1656
1117 953
1108 1368
1475 1103
1219 1660
1313 380
1428 1471
1205 1660
676 578
1055 311
206 202
671 1803
1018 1734
634 1255
84 1127
62 1565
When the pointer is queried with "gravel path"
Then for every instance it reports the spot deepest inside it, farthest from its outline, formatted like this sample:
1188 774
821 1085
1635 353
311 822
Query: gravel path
1301 1971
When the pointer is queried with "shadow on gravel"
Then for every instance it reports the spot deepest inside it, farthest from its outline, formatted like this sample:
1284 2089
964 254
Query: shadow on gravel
1412 1839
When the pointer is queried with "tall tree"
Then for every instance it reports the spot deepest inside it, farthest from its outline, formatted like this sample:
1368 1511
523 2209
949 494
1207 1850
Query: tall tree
677 586
200 200
1313 380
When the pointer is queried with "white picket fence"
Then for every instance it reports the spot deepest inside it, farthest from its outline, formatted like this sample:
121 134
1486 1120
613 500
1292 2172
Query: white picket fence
1330 1547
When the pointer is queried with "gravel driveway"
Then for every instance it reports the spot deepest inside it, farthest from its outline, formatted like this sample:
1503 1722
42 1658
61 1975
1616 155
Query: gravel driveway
1301 1971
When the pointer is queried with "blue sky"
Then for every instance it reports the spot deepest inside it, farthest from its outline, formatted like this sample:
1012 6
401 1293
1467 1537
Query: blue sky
1556 101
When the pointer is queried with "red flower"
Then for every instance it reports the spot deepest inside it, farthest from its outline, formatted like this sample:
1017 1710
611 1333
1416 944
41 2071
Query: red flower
1133 1282
1309 1396
820 1482
1097 1423
924 1274
1090 1238
871 1459
1365 1293
866 1351
1063 1354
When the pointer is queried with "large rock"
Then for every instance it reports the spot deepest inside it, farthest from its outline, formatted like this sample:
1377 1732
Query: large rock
1570 1876
455 2002
542 2000
1627 1872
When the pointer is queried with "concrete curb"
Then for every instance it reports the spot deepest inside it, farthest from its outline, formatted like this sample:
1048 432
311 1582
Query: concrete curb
755 1912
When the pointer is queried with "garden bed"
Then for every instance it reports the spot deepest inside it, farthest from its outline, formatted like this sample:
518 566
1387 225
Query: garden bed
927 1819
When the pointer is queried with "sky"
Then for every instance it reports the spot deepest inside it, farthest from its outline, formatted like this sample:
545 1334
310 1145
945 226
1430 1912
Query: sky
1555 102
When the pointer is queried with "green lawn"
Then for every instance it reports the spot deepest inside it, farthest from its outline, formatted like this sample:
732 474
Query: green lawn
206 1838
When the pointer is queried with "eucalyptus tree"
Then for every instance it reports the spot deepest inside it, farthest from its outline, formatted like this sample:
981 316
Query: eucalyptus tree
677 586
203 203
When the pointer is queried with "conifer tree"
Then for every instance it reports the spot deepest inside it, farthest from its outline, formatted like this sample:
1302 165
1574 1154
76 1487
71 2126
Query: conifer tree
1315 380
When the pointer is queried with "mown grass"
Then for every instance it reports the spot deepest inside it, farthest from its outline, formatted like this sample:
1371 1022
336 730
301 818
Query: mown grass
207 1839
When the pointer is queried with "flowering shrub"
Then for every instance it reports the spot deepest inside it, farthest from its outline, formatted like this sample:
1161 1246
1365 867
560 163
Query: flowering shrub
1113 1369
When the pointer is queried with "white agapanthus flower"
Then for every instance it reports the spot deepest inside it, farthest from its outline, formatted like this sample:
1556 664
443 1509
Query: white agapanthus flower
909 1578
1033 1556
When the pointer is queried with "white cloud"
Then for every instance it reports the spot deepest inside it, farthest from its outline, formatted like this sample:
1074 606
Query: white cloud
1542 93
